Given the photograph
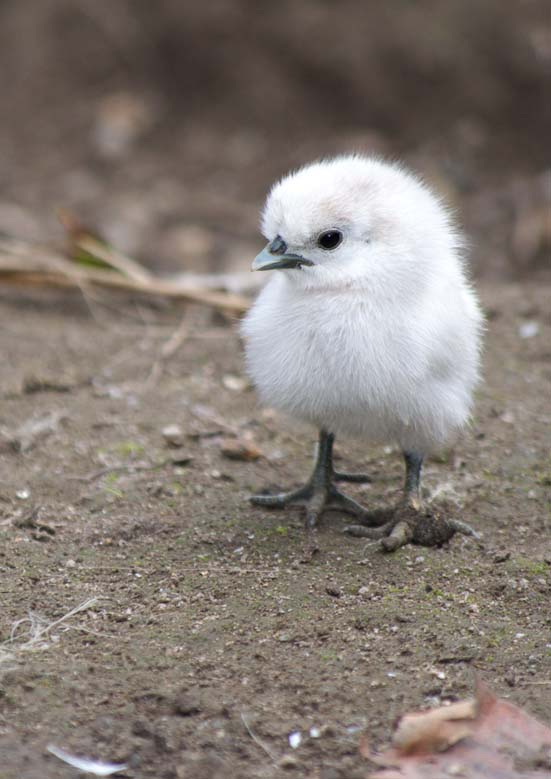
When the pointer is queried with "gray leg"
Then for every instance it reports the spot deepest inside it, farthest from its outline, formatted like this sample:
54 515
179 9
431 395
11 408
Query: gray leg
412 486
377 524
319 493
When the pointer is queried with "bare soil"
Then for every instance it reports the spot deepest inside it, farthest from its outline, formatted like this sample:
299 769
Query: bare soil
213 637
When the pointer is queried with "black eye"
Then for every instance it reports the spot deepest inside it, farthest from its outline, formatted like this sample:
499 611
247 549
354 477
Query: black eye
330 239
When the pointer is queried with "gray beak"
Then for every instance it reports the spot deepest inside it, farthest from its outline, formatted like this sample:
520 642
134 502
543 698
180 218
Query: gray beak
275 255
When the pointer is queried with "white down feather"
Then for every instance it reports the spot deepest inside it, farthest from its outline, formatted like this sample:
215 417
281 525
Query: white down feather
380 338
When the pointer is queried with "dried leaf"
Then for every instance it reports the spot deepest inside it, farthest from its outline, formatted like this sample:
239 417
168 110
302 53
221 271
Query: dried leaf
487 738
435 730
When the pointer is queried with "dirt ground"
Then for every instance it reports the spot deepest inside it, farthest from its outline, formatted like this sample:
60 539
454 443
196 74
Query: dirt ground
210 638
149 614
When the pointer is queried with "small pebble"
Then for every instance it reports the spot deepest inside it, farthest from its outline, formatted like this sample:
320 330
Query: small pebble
529 329
240 450
173 435
288 761
235 383
456 769
294 739
501 557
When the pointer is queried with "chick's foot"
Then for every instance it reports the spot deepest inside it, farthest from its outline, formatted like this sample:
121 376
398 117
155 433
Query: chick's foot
410 523
317 496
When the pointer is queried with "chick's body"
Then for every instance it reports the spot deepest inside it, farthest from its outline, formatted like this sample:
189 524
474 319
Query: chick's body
380 341
368 326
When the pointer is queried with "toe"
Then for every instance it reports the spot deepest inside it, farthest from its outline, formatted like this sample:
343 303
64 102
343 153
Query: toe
400 535
282 499
268 500
358 478
312 518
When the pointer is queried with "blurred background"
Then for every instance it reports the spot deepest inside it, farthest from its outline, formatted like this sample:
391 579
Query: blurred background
164 123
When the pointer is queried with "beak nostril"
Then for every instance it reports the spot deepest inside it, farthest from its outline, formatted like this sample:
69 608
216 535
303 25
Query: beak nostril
277 246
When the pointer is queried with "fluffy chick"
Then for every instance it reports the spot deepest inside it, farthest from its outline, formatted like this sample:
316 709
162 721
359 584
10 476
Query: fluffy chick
368 327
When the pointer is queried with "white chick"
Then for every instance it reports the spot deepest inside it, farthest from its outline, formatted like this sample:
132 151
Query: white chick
368 327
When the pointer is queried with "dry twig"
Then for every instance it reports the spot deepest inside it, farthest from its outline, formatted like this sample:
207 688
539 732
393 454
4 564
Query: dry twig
36 265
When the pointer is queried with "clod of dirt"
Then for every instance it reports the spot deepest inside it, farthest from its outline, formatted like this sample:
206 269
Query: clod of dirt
180 457
35 384
193 701
428 526
501 557
187 704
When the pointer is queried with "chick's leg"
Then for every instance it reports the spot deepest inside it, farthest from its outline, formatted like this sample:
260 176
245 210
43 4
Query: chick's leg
410 521
319 493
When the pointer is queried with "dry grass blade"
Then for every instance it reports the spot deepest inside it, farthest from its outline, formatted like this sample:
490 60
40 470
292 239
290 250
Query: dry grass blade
36 265
258 740
115 259
169 348
37 631
84 241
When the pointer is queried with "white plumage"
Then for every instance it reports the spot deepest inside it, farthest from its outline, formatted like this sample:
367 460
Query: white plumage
378 337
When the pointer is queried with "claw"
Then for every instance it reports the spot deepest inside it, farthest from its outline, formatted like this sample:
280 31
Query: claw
312 517
463 528
400 535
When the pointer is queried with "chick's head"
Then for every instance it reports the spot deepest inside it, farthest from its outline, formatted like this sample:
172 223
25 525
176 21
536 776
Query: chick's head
354 221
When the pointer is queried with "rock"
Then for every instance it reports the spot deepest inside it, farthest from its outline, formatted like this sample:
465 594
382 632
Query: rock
173 435
288 762
235 383
235 449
